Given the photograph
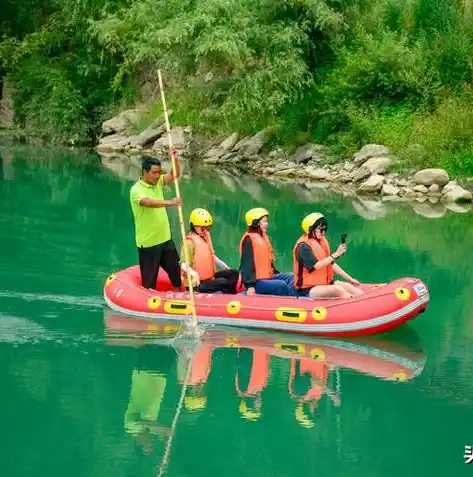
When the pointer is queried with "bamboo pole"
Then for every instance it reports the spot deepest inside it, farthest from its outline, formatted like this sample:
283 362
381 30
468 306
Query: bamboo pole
172 153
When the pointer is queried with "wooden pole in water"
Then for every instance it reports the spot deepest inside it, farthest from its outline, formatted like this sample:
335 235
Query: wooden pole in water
172 153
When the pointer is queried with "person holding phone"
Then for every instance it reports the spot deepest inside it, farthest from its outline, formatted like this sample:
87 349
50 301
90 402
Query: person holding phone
258 272
314 265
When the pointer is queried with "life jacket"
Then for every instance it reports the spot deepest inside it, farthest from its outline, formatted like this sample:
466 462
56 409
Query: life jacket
203 261
200 366
258 376
321 276
315 369
262 254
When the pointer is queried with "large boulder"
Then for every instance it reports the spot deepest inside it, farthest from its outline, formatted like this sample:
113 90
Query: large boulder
213 155
368 151
240 143
310 152
229 143
178 137
374 165
254 144
148 136
121 122
318 174
389 189
428 177
113 143
372 185
453 192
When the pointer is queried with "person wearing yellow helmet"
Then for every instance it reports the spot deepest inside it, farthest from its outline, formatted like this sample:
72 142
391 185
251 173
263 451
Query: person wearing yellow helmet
258 272
250 409
308 384
313 263
195 403
203 260
251 379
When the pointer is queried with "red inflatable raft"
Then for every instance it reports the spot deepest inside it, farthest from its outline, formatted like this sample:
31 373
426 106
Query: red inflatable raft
382 308
400 358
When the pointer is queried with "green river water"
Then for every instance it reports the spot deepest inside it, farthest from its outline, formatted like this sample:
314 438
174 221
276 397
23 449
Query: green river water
78 399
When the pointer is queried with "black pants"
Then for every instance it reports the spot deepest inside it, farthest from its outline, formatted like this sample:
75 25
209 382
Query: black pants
163 255
225 281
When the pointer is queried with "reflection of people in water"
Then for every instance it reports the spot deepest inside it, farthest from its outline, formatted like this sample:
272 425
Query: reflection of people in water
307 384
148 386
250 381
196 398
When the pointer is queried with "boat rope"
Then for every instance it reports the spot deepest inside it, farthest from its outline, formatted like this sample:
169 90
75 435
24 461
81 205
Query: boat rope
167 452
338 425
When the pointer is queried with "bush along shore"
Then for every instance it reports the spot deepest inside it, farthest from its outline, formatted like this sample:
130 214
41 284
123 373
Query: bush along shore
371 171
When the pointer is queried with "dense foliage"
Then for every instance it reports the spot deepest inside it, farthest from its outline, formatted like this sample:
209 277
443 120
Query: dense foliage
341 73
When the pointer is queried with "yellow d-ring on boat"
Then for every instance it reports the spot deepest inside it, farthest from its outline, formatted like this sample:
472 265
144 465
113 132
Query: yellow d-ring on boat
178 307
233 307
319 313
110 279
292 315
154 302
291 347
402 293
317 354
400 376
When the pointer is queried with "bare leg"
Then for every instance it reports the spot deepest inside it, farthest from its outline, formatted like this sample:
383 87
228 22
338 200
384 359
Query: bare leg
354 291
328 291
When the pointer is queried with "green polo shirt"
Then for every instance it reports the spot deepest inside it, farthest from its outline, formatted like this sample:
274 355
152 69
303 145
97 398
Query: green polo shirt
151 223
147 392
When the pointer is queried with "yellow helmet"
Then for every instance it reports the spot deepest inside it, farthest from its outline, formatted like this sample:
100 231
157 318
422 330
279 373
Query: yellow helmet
200 218
195 403
254 215
250 414
309 221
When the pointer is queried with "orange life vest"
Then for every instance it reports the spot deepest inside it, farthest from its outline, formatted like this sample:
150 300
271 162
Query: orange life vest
315 369
203 261
259 375
321 276
200 366
262 254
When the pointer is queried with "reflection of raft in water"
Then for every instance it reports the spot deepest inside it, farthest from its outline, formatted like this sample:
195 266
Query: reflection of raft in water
389 359
382 308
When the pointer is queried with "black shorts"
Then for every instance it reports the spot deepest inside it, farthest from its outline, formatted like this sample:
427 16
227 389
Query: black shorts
151 259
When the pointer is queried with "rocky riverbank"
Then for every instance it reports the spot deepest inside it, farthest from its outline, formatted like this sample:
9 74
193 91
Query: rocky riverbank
372 171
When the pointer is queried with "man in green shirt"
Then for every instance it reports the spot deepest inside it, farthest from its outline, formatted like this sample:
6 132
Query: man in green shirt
152 231
155 366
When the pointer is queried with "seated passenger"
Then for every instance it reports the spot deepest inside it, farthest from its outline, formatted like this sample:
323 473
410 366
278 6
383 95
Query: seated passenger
203 259
314 265
257 259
